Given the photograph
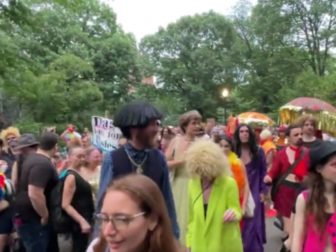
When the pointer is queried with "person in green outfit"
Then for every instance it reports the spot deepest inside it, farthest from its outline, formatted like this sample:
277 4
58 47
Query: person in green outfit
190 124
214 208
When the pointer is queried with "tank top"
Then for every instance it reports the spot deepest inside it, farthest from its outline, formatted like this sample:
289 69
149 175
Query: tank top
314 240
82 200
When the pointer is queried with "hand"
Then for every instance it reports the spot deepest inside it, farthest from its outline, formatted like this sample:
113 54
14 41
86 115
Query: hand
243 210
85 227
267 180
44 220
229 216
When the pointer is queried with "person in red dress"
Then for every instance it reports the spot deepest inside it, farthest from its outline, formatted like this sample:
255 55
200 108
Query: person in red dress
287 188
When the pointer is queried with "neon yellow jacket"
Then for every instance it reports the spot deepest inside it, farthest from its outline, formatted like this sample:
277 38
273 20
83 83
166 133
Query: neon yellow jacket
211 234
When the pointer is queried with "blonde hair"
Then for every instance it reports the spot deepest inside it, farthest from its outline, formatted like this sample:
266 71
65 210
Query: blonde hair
186 118
206 159
265 134
9 131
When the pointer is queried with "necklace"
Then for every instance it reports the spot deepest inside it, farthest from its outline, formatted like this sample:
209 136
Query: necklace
139 168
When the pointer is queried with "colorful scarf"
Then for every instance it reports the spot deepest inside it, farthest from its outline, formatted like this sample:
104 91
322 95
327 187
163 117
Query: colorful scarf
237 172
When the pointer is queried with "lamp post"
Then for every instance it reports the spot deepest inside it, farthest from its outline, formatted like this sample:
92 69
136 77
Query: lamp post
225 96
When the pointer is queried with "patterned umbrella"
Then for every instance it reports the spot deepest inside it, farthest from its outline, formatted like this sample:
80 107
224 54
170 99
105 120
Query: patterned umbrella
324 112
254 117
309 103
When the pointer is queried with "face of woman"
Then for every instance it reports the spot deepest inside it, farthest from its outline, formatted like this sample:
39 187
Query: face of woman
95 157
124 236
10 138
328 171
193 127
165 132
244 134
86 142
308 128
225 146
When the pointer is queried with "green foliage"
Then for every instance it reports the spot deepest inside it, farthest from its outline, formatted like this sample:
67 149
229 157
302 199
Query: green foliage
286 48
63 61
194 58
29 127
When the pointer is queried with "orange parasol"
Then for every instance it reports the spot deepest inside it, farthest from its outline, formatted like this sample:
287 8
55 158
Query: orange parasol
255 118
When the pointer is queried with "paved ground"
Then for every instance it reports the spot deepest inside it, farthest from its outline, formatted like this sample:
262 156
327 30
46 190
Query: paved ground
273 237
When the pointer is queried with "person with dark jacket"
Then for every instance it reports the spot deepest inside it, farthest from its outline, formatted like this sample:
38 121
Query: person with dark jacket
138 122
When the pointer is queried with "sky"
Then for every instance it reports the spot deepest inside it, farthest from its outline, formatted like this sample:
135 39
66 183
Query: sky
144 17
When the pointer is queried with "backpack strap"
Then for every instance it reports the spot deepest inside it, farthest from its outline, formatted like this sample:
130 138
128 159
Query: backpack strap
63 174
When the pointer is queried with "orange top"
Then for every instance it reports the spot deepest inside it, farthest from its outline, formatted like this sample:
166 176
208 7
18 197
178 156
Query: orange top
268 146
238 172
280 142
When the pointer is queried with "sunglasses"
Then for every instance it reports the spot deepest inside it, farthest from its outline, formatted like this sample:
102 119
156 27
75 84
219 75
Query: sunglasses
9 139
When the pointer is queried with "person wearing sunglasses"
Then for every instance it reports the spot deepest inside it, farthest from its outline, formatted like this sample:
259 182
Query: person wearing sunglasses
8 135
134 218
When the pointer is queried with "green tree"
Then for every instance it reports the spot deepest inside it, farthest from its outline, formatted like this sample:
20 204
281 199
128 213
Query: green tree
194 58
267 61
63 61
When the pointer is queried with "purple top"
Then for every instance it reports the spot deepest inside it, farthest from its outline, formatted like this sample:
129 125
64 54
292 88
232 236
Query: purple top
254 229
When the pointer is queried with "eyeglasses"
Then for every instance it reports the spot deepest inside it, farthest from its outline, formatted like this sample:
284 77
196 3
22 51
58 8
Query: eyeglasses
119 222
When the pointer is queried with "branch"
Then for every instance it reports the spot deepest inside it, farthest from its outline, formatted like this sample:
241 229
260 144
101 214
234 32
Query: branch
308 39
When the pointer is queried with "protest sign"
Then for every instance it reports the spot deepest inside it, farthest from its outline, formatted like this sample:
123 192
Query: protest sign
105 135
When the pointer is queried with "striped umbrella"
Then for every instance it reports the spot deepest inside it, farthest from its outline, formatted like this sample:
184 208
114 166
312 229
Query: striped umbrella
254 117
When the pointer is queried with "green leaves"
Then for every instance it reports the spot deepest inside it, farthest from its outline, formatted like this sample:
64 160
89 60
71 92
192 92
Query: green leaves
63 61
193 57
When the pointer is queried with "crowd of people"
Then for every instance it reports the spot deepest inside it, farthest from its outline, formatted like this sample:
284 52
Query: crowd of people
195 187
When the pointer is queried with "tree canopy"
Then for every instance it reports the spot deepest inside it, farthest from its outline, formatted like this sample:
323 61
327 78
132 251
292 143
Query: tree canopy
63 61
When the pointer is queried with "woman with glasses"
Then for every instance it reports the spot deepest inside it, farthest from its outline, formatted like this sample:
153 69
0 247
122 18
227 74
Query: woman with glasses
214 210
134 218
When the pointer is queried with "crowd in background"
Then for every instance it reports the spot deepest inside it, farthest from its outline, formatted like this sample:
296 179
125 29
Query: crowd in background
194 187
